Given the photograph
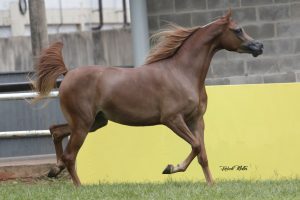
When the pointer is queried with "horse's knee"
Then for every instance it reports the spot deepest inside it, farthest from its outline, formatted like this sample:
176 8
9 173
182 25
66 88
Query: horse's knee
196 146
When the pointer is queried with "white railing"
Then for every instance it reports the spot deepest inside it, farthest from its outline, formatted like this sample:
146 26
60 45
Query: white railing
27 133
24 95
22 134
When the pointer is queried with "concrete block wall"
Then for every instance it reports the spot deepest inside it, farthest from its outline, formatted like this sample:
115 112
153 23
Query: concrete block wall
108 47
274 22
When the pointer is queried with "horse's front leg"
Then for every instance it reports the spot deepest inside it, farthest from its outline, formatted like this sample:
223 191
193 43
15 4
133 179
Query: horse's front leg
202 157
171 169
197 142
178 126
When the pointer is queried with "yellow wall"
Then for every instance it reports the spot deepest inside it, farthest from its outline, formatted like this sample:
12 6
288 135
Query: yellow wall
250 125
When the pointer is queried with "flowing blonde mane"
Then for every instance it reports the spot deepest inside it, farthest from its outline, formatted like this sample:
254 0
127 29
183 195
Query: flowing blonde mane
167 42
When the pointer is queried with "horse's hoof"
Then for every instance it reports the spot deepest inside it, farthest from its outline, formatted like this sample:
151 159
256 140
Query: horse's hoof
54 171
168 169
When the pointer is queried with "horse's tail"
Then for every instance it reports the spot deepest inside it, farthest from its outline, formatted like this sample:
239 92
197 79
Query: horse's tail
49 67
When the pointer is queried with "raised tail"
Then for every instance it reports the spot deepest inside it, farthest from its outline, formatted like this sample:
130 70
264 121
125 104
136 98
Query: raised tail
49 67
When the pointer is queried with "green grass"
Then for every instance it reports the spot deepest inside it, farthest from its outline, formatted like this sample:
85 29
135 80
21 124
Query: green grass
242 190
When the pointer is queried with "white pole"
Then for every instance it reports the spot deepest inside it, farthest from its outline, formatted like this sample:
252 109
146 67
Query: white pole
25 95
29 133
139 30
38 26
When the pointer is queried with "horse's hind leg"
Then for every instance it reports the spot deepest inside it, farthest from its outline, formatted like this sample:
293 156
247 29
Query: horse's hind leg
58 132
81 124
61 131
79 133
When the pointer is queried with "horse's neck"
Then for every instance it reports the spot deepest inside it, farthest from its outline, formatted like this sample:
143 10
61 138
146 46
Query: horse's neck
195 56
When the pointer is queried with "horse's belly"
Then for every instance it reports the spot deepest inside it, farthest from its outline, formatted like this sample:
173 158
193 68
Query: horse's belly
137 115
132 119
135 122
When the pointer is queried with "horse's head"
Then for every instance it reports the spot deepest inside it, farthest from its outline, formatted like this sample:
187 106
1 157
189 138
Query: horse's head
234 38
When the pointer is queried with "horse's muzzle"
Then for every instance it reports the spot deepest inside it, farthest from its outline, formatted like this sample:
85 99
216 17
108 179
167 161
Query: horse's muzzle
256 48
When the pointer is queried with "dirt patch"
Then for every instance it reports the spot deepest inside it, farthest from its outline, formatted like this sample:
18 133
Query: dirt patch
28 173
7 178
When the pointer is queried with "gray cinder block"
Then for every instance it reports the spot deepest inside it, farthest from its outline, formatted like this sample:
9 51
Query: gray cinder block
260 31
274 12
189 5
160 6
228 68
222 4
255 2
280 78
180 19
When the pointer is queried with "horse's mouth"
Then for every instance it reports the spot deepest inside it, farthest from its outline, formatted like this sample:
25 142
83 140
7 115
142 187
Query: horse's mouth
255 48
257 53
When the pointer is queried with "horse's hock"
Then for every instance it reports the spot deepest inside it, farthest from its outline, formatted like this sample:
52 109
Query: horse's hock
251 133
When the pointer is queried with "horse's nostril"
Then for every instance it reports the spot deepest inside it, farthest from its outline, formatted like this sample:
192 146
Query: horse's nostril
259 45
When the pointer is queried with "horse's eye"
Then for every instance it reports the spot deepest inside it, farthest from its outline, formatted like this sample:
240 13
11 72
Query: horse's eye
238 31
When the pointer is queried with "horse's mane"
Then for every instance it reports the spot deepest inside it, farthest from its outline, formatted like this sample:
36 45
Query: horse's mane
167 42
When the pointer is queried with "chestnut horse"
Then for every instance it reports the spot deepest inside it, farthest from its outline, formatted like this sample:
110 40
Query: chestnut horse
168 89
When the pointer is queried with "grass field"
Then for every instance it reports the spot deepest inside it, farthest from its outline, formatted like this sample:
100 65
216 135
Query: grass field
63 189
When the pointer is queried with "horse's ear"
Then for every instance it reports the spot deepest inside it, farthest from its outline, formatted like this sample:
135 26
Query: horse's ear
227 16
